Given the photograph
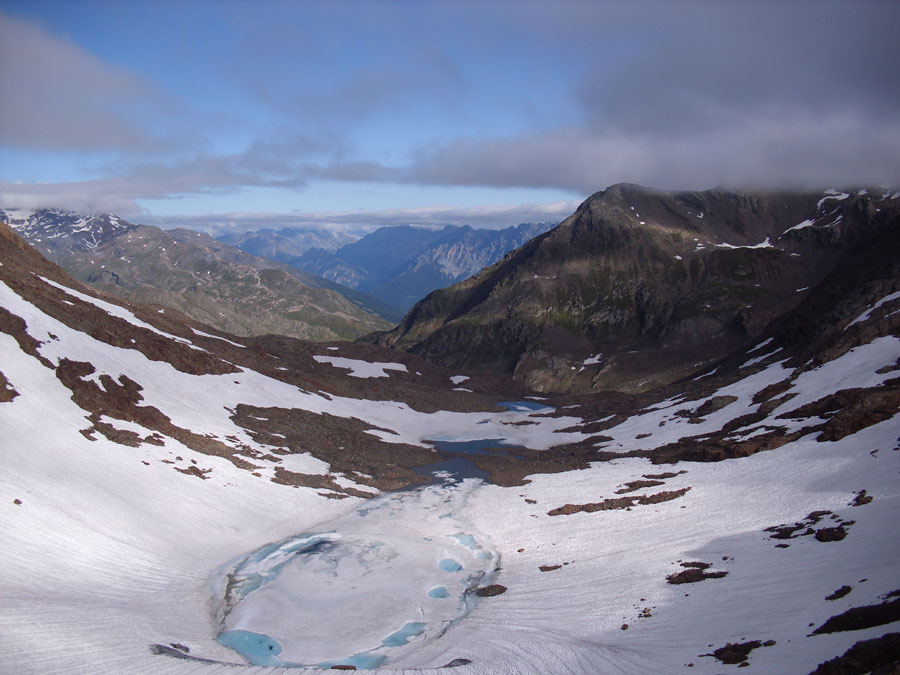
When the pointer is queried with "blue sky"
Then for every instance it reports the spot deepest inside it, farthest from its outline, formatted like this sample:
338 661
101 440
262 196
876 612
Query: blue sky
345 114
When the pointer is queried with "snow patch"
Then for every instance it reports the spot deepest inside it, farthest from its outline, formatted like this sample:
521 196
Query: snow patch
832 194
868 313
359 368
217 337
763 244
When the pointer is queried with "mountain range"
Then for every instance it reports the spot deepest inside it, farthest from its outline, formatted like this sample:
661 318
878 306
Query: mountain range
191 272
639 287
286 244
398 265
180 499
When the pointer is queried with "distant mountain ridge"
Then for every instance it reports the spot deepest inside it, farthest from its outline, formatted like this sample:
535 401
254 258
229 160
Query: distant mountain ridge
58 230
641 287
400 265
192 272
287 244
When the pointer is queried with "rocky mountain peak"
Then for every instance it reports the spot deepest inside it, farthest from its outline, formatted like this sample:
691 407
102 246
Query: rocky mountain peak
65 230
639 287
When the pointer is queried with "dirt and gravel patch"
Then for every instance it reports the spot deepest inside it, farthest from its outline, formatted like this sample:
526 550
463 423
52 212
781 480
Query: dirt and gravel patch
736 653
694 572
619 503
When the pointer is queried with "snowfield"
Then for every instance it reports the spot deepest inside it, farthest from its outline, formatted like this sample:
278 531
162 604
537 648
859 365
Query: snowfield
111 551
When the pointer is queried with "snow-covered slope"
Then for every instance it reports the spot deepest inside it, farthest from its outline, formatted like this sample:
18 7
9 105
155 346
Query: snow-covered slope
148 461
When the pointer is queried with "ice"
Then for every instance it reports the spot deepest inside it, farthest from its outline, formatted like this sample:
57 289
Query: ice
393 575
459 379
260 650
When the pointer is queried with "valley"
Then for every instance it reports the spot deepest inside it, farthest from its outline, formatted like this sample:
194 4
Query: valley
218 500
464 338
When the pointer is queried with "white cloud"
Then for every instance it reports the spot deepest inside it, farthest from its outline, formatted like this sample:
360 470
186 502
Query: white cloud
490 217
58 96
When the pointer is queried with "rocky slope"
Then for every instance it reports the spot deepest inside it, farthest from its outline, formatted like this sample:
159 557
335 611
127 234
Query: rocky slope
155 470
208 280
400 265
638 287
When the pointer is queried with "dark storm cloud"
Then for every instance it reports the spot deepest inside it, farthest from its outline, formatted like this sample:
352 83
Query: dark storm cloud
693 64
697 94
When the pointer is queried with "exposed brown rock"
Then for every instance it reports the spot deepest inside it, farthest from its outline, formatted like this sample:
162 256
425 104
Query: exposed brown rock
696 571
861 498
879 656
7 391
858 618
839 593
736 652
619 503
490 591
635 485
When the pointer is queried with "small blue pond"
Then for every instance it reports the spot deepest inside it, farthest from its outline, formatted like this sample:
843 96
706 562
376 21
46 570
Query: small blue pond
259 649
402 636
449 565
522 406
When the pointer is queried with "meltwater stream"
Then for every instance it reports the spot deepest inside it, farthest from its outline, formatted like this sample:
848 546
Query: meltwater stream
381 580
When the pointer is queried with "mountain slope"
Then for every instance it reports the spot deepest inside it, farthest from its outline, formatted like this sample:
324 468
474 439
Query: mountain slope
638 287
400 265
186 486
210 281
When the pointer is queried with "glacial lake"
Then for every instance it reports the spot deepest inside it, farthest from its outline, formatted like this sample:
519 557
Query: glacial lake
367 588
385 578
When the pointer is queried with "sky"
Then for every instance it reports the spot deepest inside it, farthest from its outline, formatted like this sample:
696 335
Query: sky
350 115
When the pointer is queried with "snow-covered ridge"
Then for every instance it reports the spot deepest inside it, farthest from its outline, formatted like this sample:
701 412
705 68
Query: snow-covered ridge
78 231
